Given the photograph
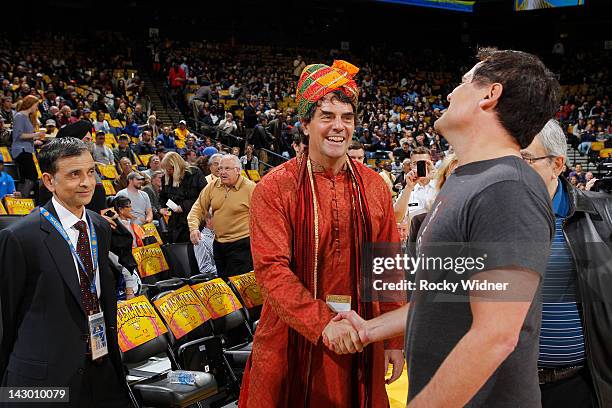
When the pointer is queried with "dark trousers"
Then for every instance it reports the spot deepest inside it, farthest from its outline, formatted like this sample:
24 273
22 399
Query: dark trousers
101 388
574 392
233 258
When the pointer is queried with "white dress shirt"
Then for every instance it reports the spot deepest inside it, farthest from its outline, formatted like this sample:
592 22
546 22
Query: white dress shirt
421 199
68 219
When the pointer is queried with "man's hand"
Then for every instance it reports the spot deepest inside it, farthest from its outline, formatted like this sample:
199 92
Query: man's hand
340 337
395 357
194 236
358 323
178 209
411 180
590 184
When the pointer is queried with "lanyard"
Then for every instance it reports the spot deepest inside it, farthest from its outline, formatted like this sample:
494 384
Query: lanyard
94 245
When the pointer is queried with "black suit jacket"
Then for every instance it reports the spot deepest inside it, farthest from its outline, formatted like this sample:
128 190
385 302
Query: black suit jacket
44 326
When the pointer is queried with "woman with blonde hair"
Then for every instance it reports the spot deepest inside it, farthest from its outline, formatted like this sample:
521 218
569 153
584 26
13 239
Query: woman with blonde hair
25 140
182 184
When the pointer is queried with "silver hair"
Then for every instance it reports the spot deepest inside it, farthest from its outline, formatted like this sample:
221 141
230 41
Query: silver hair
215 157
553 139
233 158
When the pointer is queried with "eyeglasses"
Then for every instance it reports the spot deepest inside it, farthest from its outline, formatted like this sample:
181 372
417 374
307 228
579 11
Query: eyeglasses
532 160
227 168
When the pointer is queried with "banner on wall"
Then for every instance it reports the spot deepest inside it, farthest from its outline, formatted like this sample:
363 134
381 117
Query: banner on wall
137 323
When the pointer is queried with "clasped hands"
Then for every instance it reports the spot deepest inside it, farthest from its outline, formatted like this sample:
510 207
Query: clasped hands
348 333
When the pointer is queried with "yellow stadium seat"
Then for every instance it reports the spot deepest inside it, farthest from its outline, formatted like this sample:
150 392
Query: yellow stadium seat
605 153
597 146
6 156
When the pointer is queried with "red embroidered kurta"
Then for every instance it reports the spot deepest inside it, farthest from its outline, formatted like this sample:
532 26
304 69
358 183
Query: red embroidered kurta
287 302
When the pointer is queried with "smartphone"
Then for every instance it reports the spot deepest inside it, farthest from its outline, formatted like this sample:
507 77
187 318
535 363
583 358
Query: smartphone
421 168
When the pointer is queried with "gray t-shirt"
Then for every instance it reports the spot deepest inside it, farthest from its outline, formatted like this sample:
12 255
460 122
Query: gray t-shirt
140 203
500 201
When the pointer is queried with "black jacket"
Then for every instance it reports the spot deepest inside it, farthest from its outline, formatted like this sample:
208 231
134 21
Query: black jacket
184 195
43 341
588 232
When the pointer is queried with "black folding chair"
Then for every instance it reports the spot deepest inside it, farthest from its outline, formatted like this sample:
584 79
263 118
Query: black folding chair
157 390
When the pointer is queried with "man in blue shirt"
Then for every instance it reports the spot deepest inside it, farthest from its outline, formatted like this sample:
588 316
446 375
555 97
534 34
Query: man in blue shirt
7 184
572 370
166 139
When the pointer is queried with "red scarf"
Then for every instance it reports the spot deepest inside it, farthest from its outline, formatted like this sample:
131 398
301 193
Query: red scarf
299 349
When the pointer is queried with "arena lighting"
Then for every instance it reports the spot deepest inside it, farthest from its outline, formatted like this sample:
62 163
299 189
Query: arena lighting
455 5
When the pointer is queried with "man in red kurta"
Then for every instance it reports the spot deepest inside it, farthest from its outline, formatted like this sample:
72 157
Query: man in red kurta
310 218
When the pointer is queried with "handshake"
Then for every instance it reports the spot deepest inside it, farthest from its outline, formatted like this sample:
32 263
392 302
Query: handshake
346 333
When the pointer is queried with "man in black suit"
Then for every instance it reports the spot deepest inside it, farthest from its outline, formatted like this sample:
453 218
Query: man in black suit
55 275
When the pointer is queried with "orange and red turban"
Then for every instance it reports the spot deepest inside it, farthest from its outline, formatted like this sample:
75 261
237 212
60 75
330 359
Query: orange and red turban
317 80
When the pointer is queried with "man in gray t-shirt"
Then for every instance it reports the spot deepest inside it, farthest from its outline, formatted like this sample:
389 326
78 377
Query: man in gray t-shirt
141 204
471 345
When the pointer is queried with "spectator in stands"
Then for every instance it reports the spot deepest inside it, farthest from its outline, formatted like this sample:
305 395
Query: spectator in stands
145 145
101 152
7 110
6 137
130 128
7 184
152 126
229 200
125 168
139 117
141 204
579 174
228 125
191 157
417 196
356 152
124 150
401 179
402 153
250 116
66 117
153 190
249 161
123 207
204 251
570 363
154 165
100 124
261 140
166 139
182 184
50 128
160 151
202 164
181 132
213 166
25 140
